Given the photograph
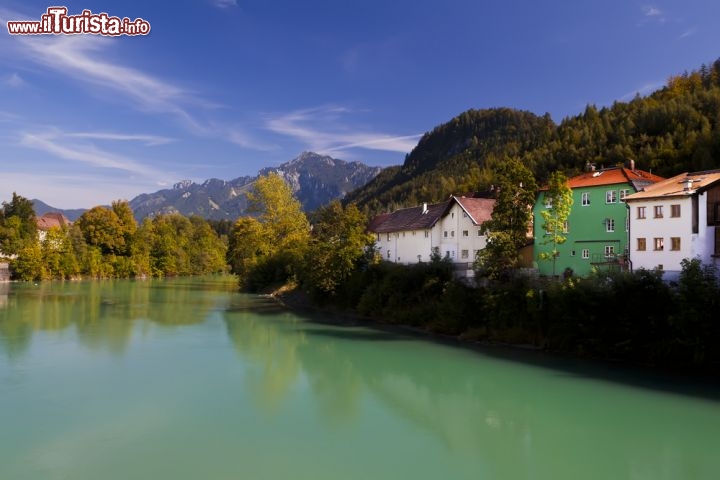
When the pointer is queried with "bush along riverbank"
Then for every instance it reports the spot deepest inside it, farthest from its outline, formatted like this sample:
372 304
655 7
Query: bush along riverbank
629 316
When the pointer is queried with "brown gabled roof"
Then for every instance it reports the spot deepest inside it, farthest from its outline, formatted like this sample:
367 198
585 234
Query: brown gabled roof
52 219
411 218
377 221
479 209
677 185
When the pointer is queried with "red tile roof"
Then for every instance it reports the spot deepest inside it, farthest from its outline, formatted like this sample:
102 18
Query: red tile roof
479 209
612 176
52 219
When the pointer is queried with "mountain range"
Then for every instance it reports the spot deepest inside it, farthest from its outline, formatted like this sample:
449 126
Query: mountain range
315 179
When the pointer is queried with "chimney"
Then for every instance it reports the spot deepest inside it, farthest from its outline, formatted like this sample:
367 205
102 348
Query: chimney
688 184
587 166
632 164
425 209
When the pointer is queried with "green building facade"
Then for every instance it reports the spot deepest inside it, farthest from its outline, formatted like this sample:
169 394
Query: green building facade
598 225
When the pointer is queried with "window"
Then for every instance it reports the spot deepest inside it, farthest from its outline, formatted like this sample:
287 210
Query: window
464 254
624 193
427 234
659 243
388 237
627 224
611 196
641 245
452 215
675 243
464 214
403 234
585 199
641 212
445 234
657 209
465 233
452 233
413 233
378 237
479 233
674 211
609 250
388 254
585 253
609 225
572 253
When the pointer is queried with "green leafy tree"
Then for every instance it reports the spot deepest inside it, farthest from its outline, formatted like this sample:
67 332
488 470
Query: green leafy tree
102 228
127 224
339 244
559 197
18 226
507 230
246 245
270 248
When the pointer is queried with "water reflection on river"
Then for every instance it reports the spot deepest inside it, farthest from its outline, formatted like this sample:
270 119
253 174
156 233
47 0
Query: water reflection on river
188 379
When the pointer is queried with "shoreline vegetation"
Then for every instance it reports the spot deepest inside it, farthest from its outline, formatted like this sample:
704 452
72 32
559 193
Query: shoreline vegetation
629 318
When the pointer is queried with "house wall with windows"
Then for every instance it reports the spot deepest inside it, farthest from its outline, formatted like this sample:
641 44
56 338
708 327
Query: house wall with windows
674 220
453 227
597 227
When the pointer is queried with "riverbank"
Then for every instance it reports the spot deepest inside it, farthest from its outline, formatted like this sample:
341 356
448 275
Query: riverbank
494 344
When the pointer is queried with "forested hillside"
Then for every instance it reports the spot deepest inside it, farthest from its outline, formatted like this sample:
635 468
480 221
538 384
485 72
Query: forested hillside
675 129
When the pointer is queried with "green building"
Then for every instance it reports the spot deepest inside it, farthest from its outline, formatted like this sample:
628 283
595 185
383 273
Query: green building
597 228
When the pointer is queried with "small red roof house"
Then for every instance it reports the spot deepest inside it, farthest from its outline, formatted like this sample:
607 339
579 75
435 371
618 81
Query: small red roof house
51 220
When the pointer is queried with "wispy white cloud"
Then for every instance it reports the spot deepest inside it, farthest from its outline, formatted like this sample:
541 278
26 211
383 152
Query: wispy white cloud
149 140
652 14
89 59
86 58
239 136
55 143
225 3
651 11
14 80
687 33
645 89
321 130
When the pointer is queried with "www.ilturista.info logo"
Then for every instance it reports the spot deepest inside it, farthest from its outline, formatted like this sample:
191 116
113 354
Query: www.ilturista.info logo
57 22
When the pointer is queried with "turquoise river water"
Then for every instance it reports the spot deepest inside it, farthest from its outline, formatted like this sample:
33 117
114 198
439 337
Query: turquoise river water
188 379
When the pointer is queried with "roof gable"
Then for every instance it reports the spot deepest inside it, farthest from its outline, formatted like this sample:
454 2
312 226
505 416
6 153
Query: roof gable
51 220
479 209
677 186
416 218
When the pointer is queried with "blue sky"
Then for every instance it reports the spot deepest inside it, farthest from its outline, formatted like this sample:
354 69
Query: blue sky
222 88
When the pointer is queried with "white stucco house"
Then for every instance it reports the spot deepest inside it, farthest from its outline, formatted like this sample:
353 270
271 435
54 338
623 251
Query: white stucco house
675 219
410 235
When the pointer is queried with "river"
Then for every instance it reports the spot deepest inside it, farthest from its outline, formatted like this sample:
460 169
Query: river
188 379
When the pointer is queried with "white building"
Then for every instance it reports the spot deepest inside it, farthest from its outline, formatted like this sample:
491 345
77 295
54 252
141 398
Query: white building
675 219
453 227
